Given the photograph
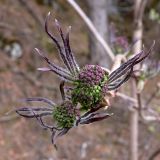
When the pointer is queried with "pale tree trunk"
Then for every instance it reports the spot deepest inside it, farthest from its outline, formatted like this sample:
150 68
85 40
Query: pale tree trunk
134 116
99 16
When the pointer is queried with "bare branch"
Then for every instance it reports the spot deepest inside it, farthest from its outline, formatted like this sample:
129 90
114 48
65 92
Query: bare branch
92 28
139 99
153 95
155 154
123 101
8 118
117 62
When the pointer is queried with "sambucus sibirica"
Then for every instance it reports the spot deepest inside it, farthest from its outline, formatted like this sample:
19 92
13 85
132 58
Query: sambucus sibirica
91 82
64 116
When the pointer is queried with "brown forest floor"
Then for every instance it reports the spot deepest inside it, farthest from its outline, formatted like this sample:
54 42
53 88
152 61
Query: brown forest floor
23 139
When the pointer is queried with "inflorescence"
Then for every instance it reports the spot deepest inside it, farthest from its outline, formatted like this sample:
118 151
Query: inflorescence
89 85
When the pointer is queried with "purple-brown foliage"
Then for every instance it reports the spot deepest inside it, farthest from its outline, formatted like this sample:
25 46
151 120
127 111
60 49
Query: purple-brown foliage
89 84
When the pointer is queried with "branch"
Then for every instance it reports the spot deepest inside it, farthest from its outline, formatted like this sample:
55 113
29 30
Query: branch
8 118
122 101
92 28
139 99
153 95
148 118
154 155
117 62
151 118
140 6
137 35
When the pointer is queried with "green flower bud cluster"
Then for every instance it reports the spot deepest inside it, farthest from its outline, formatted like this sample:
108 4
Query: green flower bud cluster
65 115
89 95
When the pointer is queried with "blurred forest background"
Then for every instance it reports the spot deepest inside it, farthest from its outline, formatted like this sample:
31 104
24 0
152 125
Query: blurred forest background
22 29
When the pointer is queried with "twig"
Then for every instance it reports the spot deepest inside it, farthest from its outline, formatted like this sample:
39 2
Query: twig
123 102
8 118
117 62
139 99
154 155
140 5
92 28
153 95
151 118
140 108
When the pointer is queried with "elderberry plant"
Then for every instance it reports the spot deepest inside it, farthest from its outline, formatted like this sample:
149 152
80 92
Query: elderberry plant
91 82
64 115
89 85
